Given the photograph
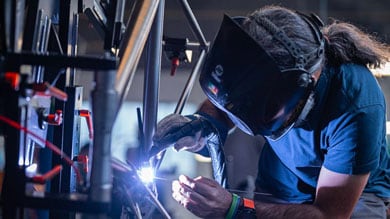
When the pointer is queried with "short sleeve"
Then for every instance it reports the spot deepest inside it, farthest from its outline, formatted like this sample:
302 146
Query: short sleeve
353 141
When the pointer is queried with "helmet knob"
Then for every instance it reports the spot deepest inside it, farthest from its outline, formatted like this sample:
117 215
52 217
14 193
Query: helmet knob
305 80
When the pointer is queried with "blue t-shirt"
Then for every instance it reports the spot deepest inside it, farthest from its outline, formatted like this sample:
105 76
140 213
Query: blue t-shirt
345 132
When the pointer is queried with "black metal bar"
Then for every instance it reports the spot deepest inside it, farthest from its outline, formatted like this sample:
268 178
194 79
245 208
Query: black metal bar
71 138
30 28
109 30
14 177
60 61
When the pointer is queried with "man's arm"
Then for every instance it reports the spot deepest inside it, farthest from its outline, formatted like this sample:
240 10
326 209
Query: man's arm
336 197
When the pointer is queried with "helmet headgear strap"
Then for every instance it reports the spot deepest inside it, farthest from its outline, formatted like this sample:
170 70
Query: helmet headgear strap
301 59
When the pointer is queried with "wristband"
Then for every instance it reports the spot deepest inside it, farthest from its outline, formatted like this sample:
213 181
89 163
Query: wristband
236 200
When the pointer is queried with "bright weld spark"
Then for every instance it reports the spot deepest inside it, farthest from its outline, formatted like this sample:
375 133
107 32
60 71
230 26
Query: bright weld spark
146 174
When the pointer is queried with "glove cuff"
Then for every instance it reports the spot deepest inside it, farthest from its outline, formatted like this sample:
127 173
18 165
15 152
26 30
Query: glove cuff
211 126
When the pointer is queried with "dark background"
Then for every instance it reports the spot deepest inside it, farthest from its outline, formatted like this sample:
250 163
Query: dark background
371 16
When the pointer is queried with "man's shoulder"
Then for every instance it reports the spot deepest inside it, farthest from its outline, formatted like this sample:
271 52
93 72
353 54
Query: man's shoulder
356 86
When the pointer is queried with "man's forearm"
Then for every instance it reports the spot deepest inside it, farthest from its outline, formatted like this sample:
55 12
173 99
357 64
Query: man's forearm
290 211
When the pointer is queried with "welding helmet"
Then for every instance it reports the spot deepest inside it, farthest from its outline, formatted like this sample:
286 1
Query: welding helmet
243 80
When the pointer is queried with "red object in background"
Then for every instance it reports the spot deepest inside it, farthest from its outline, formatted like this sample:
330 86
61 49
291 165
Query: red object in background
50 145
47 176
87 115
175 63
54 119
13 78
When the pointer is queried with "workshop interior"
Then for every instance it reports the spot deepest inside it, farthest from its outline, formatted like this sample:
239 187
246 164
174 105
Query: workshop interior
83 84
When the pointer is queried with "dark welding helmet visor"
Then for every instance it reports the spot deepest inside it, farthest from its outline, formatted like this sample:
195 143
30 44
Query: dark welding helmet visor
240 78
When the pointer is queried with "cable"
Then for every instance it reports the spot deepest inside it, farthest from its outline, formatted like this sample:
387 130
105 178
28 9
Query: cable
50 145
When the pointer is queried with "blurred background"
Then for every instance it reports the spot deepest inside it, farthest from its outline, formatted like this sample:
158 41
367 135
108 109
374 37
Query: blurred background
241 150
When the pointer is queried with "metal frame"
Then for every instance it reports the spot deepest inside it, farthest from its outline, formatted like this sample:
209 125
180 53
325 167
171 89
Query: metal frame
113 77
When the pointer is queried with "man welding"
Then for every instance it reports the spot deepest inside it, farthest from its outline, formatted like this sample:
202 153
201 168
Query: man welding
306 88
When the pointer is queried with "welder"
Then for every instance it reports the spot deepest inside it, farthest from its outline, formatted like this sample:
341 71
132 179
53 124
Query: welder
307 90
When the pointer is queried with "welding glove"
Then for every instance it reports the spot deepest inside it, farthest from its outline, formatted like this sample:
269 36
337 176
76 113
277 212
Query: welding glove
183 132
193 133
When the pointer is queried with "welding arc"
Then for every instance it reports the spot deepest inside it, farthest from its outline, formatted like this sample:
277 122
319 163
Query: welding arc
50 145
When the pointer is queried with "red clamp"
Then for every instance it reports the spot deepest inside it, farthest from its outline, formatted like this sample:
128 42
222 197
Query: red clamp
54 119
50 90
87 115
47 176
13 78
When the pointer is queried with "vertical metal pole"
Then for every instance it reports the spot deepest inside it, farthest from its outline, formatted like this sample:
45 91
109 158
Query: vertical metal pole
104 103
73 49
133 43
152 77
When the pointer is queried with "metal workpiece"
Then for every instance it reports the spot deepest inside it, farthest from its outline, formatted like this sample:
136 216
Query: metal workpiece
104 103
133 43
133 191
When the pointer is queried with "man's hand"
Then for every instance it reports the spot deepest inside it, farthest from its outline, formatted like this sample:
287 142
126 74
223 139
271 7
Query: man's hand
202 196
184 133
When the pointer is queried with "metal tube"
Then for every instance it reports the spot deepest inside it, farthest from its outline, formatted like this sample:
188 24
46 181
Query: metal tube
104 102
138 28
152 77
73 50
193 23
120 10
190 83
